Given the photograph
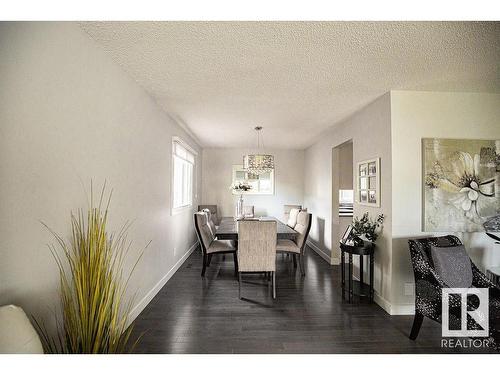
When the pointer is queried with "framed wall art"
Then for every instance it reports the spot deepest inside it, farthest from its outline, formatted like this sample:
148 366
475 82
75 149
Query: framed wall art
368 182
461 183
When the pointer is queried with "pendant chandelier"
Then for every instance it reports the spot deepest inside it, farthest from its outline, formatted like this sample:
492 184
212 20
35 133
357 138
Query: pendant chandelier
258 163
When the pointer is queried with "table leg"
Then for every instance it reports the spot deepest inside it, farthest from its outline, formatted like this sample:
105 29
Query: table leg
350 278
361 269
342 272
371 278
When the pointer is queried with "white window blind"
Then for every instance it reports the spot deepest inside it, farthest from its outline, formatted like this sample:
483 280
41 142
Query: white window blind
183 166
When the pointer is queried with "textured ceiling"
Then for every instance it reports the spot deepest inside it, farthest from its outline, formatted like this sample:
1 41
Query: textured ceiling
296 79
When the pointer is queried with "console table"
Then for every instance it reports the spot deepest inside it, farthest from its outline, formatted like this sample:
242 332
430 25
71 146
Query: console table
363 290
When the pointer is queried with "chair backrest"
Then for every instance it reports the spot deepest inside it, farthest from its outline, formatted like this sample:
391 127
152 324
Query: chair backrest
257 246
286 211
422 246
292 218
203 231
210 221
213 211
248 211
303 227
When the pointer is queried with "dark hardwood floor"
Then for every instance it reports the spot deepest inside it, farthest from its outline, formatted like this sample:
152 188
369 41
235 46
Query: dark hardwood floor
204 315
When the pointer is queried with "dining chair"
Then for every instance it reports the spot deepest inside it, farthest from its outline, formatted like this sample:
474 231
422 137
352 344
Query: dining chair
248 211
257 249
209 245
286 210
210 220
297 247
213 212
292 218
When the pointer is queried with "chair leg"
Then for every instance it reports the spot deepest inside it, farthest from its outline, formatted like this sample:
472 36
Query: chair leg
274 284
417 323
294 261
235 258
301 265
239 285
204 265
209 260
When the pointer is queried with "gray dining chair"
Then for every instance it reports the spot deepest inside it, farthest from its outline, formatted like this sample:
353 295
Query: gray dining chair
209 245
292 217
257 249
210 220
213 212
297 247
286 211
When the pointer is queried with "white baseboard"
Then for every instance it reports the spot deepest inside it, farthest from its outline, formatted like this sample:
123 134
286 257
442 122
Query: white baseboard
407 309
141 305
403 309
323 255
382 302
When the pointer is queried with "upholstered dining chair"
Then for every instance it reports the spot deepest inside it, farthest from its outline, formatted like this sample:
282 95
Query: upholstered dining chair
286 211
209 245
442 262
213 212
257 249
210 220
292 217
248 211
297 247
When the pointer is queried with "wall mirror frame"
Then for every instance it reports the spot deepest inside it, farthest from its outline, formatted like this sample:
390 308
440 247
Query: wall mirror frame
368 182
261 184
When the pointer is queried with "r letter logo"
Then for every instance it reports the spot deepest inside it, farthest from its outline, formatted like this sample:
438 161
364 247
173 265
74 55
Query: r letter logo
477 314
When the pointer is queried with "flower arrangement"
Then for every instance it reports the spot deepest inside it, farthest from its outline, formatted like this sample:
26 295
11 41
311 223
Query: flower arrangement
241 186
366 228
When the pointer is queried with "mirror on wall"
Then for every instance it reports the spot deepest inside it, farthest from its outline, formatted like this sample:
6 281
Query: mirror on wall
262 184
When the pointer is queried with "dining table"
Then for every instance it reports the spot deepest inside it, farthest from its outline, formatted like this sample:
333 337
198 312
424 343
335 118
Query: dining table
228 229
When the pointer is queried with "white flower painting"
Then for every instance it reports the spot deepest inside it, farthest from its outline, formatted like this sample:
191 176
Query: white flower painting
461 185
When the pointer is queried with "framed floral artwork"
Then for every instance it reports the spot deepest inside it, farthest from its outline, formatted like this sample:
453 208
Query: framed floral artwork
368 182
461 182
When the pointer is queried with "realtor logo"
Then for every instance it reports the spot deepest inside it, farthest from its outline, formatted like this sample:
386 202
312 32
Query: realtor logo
477 313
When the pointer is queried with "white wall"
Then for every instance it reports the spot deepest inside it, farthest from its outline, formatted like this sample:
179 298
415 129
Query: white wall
370 131
217 178
417 115
68 114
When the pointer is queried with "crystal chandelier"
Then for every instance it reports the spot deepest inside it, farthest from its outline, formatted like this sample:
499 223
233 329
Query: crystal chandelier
258 163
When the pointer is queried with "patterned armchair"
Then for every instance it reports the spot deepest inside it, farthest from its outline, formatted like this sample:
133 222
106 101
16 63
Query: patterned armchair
428 290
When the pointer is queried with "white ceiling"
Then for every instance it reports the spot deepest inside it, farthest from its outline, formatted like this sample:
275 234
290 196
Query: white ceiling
296 79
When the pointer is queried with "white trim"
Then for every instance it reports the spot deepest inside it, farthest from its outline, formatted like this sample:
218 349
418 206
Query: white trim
141 305
322 254
177 210
382 302
404 309
184 144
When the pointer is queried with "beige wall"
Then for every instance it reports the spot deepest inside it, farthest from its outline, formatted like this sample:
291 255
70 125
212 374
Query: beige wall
417 115
345 181
217 178
370 131
68 114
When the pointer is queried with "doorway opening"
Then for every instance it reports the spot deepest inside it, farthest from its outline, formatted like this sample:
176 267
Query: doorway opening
342 194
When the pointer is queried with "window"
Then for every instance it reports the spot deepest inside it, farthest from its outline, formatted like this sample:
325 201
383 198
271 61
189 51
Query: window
260 184
183 159
346 201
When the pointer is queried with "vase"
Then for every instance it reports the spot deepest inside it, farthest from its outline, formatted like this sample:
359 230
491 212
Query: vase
239 207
